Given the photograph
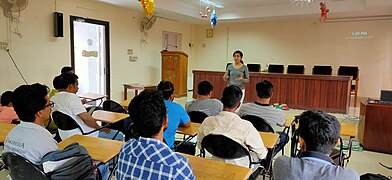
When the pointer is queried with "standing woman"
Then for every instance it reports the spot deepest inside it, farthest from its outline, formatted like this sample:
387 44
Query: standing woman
237 73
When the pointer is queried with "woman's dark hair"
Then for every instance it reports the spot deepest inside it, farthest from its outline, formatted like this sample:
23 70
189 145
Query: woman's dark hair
166 88
241 55
147 111
28 100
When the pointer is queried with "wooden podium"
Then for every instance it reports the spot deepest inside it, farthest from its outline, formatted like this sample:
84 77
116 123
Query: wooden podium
375 127
175 70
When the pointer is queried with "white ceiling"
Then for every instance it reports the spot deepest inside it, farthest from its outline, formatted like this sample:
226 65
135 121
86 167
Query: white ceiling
260 10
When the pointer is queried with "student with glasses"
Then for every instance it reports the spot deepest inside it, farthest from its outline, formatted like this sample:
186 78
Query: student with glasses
30 139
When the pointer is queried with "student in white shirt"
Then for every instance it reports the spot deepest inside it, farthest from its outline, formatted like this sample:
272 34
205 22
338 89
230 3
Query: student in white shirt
67 102
229 124
30 139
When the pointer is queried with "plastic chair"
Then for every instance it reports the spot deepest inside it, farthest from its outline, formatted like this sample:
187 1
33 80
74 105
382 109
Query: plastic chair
66 123
275 68
322 70
22 169
354 72
197 116
295 69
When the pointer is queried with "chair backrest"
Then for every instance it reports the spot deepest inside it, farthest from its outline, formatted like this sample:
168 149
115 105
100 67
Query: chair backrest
64 122
224 147
276 68
21 168
259 123
113 106
322 70
295 69
349 71
197 116
254 67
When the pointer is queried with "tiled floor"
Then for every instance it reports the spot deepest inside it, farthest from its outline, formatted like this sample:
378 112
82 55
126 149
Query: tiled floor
361 161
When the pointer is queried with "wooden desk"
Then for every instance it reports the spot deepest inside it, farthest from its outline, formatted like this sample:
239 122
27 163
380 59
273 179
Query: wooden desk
125 103
92 96
191 131
269 139
327 93
108 117
136 87
375 127
100 149
5 128
209 169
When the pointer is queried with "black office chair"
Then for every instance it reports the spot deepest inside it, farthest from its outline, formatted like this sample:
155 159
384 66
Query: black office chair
276 68
197 116
354 72
66 123
263 126
322 70
22 169
295 69
259 123
254 67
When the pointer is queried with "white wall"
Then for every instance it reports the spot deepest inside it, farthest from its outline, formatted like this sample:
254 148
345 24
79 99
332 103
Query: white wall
302 42
40 56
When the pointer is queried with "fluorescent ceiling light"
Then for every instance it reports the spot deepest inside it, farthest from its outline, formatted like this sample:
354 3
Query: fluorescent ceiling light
212 3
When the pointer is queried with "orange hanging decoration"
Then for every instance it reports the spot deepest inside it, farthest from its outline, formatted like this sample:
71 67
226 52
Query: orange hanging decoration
148 6
324 12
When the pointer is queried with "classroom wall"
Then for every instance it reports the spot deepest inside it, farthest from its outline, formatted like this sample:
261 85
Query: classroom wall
303 41
40 56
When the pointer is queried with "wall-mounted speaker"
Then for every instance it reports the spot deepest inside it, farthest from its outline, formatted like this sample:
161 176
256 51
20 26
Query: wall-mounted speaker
58 24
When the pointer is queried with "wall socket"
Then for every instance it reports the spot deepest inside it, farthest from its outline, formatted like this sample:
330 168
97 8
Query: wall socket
3 45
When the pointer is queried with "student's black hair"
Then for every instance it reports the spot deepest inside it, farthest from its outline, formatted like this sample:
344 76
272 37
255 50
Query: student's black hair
204 88
166 88
231 96
28 100
63 80
319 130
6 98
147 111
66 69
264 89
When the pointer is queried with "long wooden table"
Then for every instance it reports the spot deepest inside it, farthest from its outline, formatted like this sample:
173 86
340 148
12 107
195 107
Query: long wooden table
5 128
209 169
100 149
322 92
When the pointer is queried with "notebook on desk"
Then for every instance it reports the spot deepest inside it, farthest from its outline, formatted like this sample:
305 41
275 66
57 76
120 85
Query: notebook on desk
386 96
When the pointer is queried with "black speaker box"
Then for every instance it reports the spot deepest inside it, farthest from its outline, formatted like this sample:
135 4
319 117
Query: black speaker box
58 24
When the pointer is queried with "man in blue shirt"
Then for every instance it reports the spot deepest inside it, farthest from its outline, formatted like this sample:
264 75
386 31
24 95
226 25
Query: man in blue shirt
176 113
146 156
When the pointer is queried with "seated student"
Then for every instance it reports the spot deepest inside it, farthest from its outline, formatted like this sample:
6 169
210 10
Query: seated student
30 139
146 156
67 102
7 112
65 69
229 124
176 113
204 103
318 135
263 109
